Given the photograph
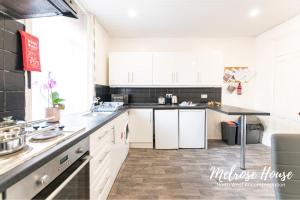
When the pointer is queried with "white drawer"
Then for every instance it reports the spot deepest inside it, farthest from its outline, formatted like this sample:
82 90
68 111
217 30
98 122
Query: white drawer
98 188
98 147
97 168
106 189
101 131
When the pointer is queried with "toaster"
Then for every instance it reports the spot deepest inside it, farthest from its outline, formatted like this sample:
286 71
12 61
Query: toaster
119 98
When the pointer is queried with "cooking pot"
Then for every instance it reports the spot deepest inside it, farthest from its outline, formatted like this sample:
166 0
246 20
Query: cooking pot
12 140
13 134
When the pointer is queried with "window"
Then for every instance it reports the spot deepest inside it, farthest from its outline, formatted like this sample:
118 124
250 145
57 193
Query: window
64 51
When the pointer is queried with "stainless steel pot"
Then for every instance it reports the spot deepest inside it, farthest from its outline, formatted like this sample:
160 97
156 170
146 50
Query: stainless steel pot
13 135
12 140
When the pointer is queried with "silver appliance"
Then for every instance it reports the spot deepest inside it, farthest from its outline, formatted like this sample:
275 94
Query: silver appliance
169 98
174 99
64 177
120 98
161 100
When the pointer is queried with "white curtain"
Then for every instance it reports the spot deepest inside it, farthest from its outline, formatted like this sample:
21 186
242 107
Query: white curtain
66 49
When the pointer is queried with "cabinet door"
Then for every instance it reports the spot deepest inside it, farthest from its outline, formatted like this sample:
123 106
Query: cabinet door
119 69
191 128
141 69
166 129
210 69
163 69
141 126
185 66
130 69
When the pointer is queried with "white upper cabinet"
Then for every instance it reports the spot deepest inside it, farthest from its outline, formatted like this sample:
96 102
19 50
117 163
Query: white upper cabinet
166 69
130 69
187 69
210 69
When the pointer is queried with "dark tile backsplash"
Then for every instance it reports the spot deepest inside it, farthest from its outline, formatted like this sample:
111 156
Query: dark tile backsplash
103 92
150 95
12 77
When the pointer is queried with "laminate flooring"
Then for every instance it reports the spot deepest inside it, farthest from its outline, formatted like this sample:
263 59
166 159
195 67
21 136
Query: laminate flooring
185 174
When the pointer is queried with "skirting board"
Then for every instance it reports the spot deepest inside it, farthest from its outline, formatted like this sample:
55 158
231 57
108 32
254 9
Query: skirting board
141 145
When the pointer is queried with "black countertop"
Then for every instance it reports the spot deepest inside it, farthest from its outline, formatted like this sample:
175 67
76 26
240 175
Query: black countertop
229 110
232 110
166 106
91 124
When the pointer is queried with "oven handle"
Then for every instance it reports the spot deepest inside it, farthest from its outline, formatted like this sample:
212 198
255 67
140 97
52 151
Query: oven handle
59 188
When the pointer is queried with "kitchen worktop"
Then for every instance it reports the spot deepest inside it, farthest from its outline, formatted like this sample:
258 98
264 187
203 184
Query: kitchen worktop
232 110
166 106
229 110
91 124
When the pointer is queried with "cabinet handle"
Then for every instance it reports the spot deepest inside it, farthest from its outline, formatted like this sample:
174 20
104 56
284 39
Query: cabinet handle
172 77
102 136
150 118
177 77
198 77
132 78
105 183
114 135
103 157
128 77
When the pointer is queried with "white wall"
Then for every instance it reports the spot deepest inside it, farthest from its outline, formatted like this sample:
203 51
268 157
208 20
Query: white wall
102 41
278 66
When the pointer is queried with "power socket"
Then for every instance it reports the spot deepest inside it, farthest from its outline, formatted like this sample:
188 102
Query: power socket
203 96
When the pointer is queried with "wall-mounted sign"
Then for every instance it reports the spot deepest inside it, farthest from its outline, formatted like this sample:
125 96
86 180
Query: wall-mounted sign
31 52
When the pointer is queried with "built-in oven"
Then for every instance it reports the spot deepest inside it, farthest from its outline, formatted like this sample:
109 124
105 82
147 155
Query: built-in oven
64 177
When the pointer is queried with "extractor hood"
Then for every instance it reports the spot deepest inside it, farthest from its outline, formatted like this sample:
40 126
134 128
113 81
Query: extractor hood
24 9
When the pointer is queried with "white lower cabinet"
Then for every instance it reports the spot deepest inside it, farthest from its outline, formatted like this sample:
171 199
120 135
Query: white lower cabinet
109 148
192 128
141 128
166 129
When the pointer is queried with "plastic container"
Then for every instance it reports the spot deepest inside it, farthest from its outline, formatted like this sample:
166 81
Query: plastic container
229 131
254 131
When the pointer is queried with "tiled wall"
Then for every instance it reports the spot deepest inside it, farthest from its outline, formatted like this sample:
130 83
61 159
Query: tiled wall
12 78
150 95
103 92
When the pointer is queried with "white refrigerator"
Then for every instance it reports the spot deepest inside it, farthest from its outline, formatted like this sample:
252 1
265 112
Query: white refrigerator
192 128
166 129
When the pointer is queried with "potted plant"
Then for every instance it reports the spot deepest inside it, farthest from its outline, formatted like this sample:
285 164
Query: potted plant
54 101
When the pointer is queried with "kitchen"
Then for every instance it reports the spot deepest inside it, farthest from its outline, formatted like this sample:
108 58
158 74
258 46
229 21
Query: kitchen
128 99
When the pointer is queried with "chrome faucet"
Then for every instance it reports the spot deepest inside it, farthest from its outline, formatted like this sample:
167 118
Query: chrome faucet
95 102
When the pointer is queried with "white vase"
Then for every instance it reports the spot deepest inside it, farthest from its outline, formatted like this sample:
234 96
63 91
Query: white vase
53 113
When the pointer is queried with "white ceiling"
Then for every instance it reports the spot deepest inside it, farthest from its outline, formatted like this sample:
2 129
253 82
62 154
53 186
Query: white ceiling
190 18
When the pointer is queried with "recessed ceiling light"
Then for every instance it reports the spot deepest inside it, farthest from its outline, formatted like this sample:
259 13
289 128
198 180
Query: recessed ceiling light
132 13
254 12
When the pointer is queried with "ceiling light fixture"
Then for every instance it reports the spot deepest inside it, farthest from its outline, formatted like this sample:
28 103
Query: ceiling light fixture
132 13
254 12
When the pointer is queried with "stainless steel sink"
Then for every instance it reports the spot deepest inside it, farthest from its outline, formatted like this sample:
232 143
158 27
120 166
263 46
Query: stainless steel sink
97 114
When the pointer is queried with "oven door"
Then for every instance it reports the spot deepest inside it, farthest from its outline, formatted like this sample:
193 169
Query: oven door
73 183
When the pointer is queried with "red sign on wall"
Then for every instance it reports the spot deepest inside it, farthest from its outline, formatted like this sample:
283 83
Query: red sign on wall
31 52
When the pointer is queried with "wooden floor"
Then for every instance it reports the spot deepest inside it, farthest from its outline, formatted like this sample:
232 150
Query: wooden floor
185 174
